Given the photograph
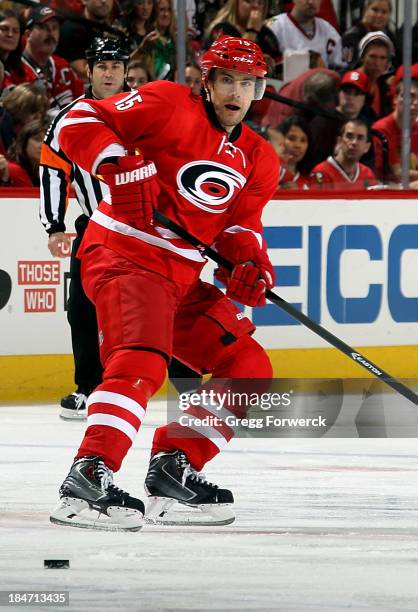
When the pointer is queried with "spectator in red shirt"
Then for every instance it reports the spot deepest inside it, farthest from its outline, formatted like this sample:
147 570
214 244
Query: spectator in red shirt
343 170
293 172
391 127
23 168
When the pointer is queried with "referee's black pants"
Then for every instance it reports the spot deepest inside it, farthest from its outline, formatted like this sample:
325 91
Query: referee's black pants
81 316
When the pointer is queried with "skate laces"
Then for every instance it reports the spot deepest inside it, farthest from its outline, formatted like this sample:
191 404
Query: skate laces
105 476
189 472
80 399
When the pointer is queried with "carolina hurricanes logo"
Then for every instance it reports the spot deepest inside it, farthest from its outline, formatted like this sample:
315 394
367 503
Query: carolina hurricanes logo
209 185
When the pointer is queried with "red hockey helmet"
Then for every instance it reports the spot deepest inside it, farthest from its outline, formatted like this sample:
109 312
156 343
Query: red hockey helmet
239 55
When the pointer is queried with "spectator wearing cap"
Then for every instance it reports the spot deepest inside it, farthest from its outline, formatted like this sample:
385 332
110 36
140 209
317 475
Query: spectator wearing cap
375 52
52 73
77 36
302 29
375 18
352 94
391 127
353 103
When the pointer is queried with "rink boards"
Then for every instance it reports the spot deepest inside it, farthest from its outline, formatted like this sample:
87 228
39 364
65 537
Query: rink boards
349 264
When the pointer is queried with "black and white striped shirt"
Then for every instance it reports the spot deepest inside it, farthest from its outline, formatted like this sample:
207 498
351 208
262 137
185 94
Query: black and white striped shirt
58 173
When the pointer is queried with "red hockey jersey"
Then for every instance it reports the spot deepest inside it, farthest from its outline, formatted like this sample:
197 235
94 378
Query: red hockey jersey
329 174
209 183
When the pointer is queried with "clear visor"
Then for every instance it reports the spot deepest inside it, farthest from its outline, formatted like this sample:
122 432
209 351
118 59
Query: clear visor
260 88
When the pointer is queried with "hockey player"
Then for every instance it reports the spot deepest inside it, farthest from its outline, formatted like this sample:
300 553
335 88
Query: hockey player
200 165
107 62
344 170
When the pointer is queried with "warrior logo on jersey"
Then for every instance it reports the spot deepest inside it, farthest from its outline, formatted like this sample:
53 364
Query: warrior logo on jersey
209 185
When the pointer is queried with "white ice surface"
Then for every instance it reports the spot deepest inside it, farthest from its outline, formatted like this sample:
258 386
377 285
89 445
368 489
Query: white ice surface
322 525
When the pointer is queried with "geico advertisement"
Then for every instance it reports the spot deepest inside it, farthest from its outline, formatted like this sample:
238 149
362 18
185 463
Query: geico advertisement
350 265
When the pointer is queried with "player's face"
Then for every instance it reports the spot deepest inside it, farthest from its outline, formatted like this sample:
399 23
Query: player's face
398 102
351 101
193 79
296 144
44 37
353 142
98 9
144 9
107 78
9 34
231 95
375 61
377 15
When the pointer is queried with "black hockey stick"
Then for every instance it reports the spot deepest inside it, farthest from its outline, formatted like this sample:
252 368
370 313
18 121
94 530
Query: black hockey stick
293 312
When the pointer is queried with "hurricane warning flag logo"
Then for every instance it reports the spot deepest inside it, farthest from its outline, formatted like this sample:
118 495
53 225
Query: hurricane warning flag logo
209 185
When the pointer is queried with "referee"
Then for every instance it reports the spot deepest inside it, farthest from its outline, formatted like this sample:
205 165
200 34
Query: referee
107 63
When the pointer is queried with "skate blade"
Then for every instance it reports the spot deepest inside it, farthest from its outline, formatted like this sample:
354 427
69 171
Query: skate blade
75 512
73 415
167 511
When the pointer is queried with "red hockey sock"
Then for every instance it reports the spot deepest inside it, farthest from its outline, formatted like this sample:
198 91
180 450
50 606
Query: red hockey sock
117 407
247 360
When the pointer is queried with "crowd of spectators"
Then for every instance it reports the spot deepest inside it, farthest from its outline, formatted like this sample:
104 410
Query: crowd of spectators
335 125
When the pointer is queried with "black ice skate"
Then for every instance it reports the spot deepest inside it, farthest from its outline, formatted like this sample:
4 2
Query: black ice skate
89 499
74 407
178 495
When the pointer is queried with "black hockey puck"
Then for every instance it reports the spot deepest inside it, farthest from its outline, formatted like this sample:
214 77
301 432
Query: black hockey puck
56 564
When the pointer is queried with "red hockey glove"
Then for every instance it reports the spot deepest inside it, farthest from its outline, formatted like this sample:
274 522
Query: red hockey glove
134 189
253 272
